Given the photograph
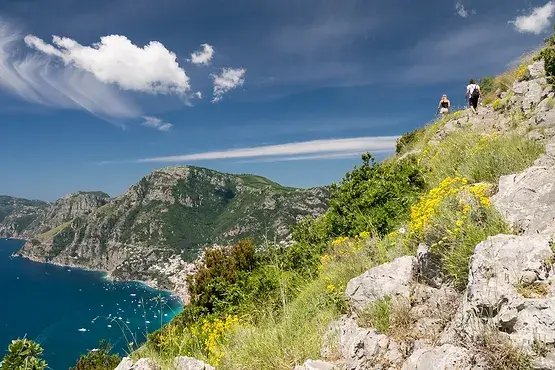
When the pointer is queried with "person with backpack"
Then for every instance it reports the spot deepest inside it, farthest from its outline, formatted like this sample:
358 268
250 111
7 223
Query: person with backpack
473 94
444 105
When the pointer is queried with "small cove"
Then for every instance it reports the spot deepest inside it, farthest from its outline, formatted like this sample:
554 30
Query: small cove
70 310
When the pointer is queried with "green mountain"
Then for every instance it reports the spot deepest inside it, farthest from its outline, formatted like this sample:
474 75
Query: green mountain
161 223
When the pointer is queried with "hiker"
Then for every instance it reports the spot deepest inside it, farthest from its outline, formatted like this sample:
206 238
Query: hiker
444 105
473 94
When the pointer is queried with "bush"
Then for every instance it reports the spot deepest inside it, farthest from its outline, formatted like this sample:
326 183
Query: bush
99 359
374 197
453 218
23 354
407 139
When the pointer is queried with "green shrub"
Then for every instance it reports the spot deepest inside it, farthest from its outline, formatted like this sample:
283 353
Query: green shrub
99 359
374 197
23 354
407 139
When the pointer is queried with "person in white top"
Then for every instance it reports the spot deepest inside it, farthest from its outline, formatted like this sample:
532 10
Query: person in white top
473 94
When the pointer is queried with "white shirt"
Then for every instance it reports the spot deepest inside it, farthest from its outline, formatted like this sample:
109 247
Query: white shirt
470 88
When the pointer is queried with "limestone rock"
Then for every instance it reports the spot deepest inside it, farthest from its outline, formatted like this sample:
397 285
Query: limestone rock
496 292
391 279
190 363
526 199
537 69
141 364
360 348
316 365
532 92
446 357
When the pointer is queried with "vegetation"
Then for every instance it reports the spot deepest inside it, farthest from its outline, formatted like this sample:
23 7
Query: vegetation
23 354
99 359
270 307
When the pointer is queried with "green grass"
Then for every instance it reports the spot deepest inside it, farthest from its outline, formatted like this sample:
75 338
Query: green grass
279 340
479 158
52 232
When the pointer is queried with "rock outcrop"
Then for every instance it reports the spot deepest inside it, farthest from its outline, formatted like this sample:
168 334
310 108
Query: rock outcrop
179 363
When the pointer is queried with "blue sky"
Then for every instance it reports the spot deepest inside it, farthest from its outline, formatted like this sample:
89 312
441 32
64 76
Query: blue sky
94 95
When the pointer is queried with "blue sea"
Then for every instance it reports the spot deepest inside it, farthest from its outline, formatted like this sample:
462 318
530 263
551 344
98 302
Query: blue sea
70 310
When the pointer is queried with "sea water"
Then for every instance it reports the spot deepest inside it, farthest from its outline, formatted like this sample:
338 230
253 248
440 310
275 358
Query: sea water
68 311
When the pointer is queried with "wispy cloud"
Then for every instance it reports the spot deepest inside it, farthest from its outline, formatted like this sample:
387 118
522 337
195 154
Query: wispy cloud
116 60
537 21
36 79
226 81
204 56
315 149
459 6
156 123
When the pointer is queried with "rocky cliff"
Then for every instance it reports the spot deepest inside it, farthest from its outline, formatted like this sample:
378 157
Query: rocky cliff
16 214
161 223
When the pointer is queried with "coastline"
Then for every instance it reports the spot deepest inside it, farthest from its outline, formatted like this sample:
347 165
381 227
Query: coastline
105 274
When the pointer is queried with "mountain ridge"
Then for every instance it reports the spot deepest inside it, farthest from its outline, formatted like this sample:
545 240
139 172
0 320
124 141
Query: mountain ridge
164 221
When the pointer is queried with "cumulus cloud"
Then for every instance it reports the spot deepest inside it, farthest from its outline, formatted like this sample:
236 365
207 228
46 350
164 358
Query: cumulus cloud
204 56
156 123
116 60
226 81
459 6
537 21
315 149
36 79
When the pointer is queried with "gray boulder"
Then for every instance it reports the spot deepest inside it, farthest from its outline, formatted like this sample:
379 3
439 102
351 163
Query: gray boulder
532 92
190 363
316 365
360 348
392 279
537 69
510 287
141 364
526 199
446 357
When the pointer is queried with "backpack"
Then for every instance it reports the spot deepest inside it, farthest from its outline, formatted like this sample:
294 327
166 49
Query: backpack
475 93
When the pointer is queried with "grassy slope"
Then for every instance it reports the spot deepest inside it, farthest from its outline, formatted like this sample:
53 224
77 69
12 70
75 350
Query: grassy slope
279 340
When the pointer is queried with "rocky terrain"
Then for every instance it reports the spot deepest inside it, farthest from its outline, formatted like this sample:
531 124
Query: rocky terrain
159 226
505 318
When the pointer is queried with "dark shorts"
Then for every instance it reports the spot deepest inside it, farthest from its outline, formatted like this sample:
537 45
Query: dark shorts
473 102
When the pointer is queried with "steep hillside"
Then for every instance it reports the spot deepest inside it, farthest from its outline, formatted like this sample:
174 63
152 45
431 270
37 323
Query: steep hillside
162 222
16 214
440 257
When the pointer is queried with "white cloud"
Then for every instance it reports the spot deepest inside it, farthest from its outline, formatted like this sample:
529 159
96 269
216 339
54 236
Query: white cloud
537 21
229 79
198 94
460 9
204 56
315 148
116 60
36 79
156 123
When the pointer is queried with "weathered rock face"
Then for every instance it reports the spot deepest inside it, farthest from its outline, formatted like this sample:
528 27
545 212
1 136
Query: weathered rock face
391 279
159 226
16 214
316 365
141 364
446 357
526 199
511 287
66 209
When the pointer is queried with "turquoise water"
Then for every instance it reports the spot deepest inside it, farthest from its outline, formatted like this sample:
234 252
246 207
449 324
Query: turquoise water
69 310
